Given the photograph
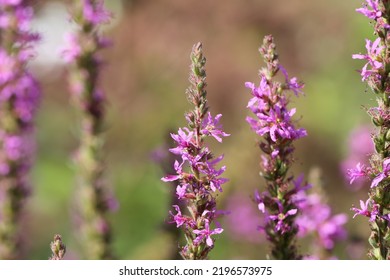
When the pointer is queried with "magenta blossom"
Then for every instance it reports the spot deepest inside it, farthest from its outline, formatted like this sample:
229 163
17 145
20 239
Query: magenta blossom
317 219
374 12
293 83
364 211
360 147
373 58
279 218
211 127
178 217
277 124
243 219
19 100
358 172
95 13
382 175
206 233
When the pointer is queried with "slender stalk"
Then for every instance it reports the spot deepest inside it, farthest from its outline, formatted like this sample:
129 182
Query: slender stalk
273 123
376 73
196 174
82 54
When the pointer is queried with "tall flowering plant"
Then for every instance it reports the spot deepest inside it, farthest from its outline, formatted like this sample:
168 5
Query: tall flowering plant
19 96
273 122
197 176
81 52
376 73
317 221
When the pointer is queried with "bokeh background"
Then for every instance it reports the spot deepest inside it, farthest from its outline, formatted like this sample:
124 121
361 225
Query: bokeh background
145 78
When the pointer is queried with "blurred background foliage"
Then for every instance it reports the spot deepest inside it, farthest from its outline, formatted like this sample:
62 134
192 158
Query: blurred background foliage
145 78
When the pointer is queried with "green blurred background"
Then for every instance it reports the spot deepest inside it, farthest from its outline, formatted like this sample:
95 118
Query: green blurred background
145 80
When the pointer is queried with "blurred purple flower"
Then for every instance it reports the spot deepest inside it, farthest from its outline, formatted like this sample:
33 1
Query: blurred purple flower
72 49
374 13
19 98
316 218
178 217
360 147
95 13
243 219
358 172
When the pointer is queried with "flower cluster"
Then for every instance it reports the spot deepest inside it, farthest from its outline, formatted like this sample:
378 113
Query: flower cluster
275 124
243 219
376 73
81 52
197 175
19 98
317 220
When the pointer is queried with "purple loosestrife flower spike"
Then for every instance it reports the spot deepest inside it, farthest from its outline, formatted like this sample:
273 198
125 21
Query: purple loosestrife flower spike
58 248
317 220
197 177
81 52
19 98
273 122
376 73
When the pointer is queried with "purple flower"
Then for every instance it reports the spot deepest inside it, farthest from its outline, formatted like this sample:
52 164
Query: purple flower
206 233
178 168
382 175
242 220
358 172
316 218
183 139
273 120
178 218
19 98
360 146
277 123
375 13
95 13
260 202
257 103
81 52
364 211
293 83
181 191
10 2
279 218
7 67
72 49
213 174
331 230
211 127
373 58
